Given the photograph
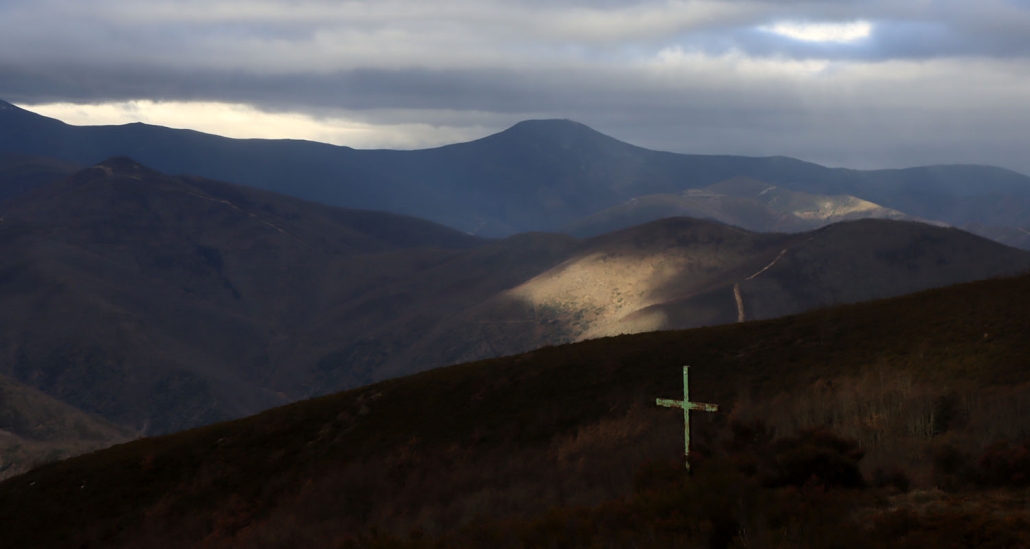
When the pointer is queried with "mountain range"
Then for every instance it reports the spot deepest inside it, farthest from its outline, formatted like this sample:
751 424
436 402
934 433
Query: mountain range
161 303
539 175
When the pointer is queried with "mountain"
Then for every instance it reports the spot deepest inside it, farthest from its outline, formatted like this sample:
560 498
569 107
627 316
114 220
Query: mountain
565 445
539 175
20 174
1017 237
36 428
161 303
682 273
741 201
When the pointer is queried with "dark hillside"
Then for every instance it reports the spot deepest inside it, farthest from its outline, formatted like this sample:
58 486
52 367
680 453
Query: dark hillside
36 429
153 300
508 450
20 174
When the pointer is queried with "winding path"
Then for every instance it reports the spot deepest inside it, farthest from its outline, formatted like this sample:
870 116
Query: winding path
736 287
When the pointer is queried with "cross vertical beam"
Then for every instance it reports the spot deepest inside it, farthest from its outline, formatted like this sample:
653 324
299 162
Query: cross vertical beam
687 406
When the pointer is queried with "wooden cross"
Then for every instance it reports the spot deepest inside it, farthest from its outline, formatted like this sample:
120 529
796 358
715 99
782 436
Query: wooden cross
687 407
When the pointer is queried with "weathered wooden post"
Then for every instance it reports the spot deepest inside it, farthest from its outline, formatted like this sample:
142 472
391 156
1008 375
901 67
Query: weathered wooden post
687 407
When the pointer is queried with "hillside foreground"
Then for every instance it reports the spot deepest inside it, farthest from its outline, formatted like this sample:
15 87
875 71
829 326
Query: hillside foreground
892 423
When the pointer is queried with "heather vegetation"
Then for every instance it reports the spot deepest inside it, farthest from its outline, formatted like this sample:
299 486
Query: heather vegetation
891 423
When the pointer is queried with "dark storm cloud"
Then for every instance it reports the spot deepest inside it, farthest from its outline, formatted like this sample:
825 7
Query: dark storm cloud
931 77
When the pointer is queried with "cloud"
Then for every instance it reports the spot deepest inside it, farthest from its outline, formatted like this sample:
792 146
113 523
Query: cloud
245 121
822 32
863 83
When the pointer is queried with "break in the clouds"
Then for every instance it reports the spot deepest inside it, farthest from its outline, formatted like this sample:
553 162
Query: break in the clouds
859 83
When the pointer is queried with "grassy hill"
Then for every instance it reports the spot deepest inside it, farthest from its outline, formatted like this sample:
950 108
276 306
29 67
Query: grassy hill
564 446
20 174
742 202
36 429
154 301
683 273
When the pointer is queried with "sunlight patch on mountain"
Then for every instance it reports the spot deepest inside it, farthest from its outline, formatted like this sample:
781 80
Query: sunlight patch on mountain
592 293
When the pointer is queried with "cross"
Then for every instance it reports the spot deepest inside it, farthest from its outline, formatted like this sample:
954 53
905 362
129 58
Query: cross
687 407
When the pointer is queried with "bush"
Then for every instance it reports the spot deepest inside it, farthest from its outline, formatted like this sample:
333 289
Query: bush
952 469
816 457
891 477
1005 464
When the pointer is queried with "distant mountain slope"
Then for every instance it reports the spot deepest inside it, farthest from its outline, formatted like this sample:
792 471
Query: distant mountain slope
158 302
741 201
20 174
163 302
574 430
36 429
683 273
538 175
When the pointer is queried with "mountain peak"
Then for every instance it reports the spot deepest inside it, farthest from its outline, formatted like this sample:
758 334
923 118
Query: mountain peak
560 132
117 165
549 123
551 127
120 163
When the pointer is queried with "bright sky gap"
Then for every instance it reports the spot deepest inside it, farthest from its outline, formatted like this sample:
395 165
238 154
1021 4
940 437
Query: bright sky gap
822 32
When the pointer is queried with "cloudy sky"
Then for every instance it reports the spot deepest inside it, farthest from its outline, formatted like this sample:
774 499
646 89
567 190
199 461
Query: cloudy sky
862 83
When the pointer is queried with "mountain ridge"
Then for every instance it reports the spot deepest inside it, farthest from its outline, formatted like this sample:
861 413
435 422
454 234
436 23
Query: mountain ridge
535 176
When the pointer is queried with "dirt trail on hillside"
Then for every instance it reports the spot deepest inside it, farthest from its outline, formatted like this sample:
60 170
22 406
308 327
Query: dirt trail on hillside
740 302
736 287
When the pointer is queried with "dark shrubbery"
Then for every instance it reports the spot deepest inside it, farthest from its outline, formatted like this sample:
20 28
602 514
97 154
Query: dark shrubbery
817 457
1004 464
893 476
814 457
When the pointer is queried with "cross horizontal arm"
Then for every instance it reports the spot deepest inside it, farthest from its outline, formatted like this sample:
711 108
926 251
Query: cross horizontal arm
701 406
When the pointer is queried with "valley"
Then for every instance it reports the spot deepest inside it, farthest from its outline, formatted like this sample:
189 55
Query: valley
162 303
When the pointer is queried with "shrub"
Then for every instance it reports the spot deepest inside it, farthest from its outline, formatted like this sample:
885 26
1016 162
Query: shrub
891 477
1005 464
952 468
816 456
